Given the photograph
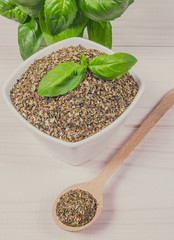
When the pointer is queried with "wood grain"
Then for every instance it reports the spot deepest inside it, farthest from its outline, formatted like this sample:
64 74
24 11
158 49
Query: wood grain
139 198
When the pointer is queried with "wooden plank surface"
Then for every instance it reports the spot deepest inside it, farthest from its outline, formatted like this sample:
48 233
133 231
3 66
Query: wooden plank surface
139 198
146 23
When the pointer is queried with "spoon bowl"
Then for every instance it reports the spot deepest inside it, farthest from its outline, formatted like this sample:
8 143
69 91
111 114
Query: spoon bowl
96 192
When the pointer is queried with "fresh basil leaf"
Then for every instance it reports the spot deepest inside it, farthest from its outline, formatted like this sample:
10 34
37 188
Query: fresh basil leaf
100 32
109 67
104 10
28 2
29 38
32 11
74 30
59 14
10 10
62 79
30 7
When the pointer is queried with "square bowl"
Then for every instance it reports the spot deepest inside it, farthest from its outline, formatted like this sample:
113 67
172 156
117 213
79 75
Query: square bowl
74 153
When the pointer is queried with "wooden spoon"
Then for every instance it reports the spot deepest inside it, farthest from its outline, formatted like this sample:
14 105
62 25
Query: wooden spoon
95 186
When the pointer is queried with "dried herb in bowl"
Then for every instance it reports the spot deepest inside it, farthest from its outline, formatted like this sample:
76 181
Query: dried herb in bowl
80 113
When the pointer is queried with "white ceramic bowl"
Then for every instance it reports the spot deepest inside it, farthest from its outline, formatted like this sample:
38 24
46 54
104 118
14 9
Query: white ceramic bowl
78 152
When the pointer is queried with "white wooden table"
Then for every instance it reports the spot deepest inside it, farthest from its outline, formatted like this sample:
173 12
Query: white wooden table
139 198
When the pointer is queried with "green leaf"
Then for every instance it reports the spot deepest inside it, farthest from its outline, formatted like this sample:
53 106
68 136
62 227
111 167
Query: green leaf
10 10
59 14
30 7
104 10
29 38
81 34
109 67
83 60
32 11
62 79
100 32
74 30
28 2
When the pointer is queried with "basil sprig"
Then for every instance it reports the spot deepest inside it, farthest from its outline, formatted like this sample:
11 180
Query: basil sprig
67 76
61 19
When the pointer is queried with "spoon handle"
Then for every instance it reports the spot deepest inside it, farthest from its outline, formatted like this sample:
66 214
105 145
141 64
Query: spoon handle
163 106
